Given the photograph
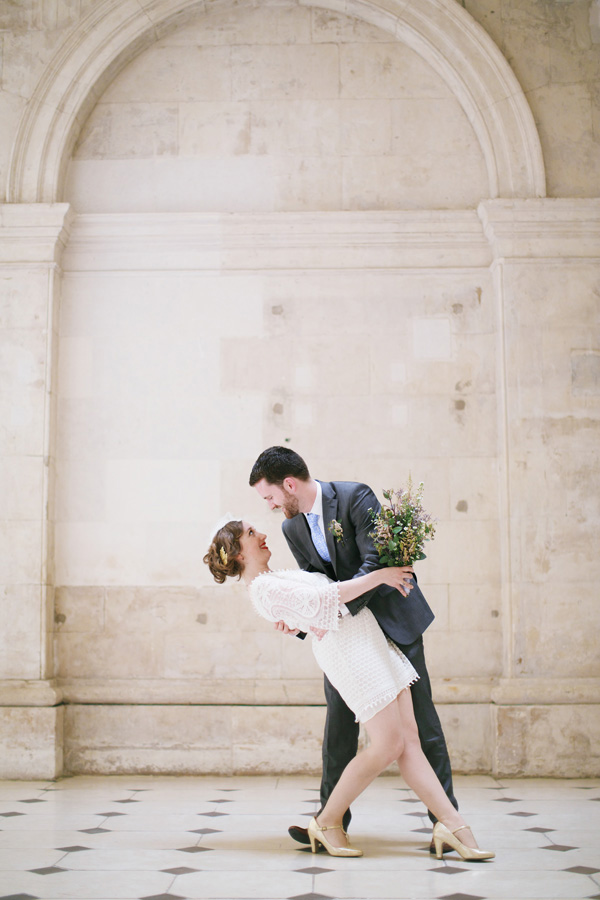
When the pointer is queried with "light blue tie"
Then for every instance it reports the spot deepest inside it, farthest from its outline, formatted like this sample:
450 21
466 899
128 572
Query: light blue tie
318 536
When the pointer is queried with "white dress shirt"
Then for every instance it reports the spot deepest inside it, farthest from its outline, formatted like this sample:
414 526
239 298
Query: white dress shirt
317 508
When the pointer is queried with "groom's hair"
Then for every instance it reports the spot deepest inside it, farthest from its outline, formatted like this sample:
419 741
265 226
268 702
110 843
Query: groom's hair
276 464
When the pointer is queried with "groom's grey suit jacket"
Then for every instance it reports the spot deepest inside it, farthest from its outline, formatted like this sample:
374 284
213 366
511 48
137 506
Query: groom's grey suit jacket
403 619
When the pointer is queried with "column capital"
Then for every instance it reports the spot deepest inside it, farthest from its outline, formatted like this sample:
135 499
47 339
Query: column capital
34 232
542 229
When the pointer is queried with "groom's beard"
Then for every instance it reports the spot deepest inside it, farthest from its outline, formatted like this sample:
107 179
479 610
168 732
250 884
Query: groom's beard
290 506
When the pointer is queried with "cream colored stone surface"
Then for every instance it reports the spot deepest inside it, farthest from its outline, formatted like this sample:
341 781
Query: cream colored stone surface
525 735
31 742
274 238
210 739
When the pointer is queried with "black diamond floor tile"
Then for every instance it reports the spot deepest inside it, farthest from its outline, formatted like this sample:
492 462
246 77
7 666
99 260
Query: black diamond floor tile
48 870
18 897
127 801
163 897
461 897
409 800
220 800
205 831
310 897
213 814
582 870
449 870
523 814
539 830
506 800
33 801
421 830
313 870
110 814
180 870
74 849
93 830
561 848
194 849
9 814
417 814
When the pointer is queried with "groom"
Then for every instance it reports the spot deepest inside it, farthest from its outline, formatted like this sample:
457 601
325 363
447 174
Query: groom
312 509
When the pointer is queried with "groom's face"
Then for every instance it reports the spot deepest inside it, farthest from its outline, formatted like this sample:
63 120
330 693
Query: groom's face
278 497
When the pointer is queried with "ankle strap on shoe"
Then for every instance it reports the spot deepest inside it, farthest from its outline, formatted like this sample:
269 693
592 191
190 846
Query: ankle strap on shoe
460 828
329 827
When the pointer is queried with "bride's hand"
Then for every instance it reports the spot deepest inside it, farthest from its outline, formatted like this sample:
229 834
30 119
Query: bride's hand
398 577
281 626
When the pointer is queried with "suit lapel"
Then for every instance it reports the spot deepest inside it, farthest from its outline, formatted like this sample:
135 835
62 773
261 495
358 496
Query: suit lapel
330 510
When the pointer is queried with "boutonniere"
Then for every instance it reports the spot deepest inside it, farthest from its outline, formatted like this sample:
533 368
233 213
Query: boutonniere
336 529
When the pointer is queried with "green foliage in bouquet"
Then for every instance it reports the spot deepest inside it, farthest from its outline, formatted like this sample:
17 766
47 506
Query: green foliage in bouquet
402 527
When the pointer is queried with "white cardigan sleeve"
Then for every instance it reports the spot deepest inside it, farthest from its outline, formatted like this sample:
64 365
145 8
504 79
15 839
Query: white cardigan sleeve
302 600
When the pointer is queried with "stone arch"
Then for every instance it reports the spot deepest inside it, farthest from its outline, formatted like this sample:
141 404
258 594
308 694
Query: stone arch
440 31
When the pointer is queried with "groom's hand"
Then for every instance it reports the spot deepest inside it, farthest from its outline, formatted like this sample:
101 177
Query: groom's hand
281 626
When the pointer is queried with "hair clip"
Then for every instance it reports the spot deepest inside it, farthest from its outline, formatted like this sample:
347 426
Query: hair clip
223 555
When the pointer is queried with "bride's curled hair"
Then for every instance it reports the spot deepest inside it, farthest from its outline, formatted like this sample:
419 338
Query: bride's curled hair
222 553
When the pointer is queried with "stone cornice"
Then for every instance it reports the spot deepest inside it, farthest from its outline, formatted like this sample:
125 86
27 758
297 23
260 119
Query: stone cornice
309 692
421 238
30 693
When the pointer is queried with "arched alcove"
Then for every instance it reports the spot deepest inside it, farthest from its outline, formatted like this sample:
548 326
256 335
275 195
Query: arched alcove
440 31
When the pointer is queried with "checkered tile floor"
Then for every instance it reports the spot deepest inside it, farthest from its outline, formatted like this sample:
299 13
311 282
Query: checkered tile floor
182 838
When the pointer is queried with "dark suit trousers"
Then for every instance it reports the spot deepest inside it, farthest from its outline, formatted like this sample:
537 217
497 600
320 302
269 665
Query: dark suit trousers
340 741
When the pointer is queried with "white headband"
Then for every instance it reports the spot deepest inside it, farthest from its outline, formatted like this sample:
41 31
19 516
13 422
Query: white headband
228 517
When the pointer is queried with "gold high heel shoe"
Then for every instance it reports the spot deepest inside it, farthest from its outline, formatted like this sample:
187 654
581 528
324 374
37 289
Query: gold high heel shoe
442 835
315 834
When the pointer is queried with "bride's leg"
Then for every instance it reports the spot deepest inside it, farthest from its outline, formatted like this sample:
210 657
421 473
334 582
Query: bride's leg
386 744
419 775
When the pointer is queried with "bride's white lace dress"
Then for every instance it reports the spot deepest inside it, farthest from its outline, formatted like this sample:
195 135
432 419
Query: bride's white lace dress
367 669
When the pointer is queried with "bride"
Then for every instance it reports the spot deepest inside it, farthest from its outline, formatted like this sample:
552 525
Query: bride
369 671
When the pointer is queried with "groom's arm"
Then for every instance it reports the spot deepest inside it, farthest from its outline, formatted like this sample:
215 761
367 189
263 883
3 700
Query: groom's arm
363 500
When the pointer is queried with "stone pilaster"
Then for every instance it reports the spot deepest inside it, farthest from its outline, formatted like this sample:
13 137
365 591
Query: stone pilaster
546 274
32 238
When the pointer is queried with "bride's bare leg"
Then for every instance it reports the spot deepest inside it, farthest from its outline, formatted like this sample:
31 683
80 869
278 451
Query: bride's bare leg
385 746
419 775
393 736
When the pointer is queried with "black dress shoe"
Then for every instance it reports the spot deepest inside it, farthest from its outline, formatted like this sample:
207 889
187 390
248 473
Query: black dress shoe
301 835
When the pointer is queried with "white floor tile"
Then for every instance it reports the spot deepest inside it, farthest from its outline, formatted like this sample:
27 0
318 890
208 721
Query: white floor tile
159 844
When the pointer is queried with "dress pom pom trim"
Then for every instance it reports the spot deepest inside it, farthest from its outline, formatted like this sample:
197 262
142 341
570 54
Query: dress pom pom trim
371 709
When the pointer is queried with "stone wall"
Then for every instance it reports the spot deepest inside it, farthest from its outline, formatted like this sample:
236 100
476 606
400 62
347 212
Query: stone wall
292 223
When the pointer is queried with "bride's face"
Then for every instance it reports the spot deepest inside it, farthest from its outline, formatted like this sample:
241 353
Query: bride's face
254 546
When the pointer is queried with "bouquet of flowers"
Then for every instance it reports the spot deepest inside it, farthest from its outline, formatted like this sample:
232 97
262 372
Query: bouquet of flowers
402 527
